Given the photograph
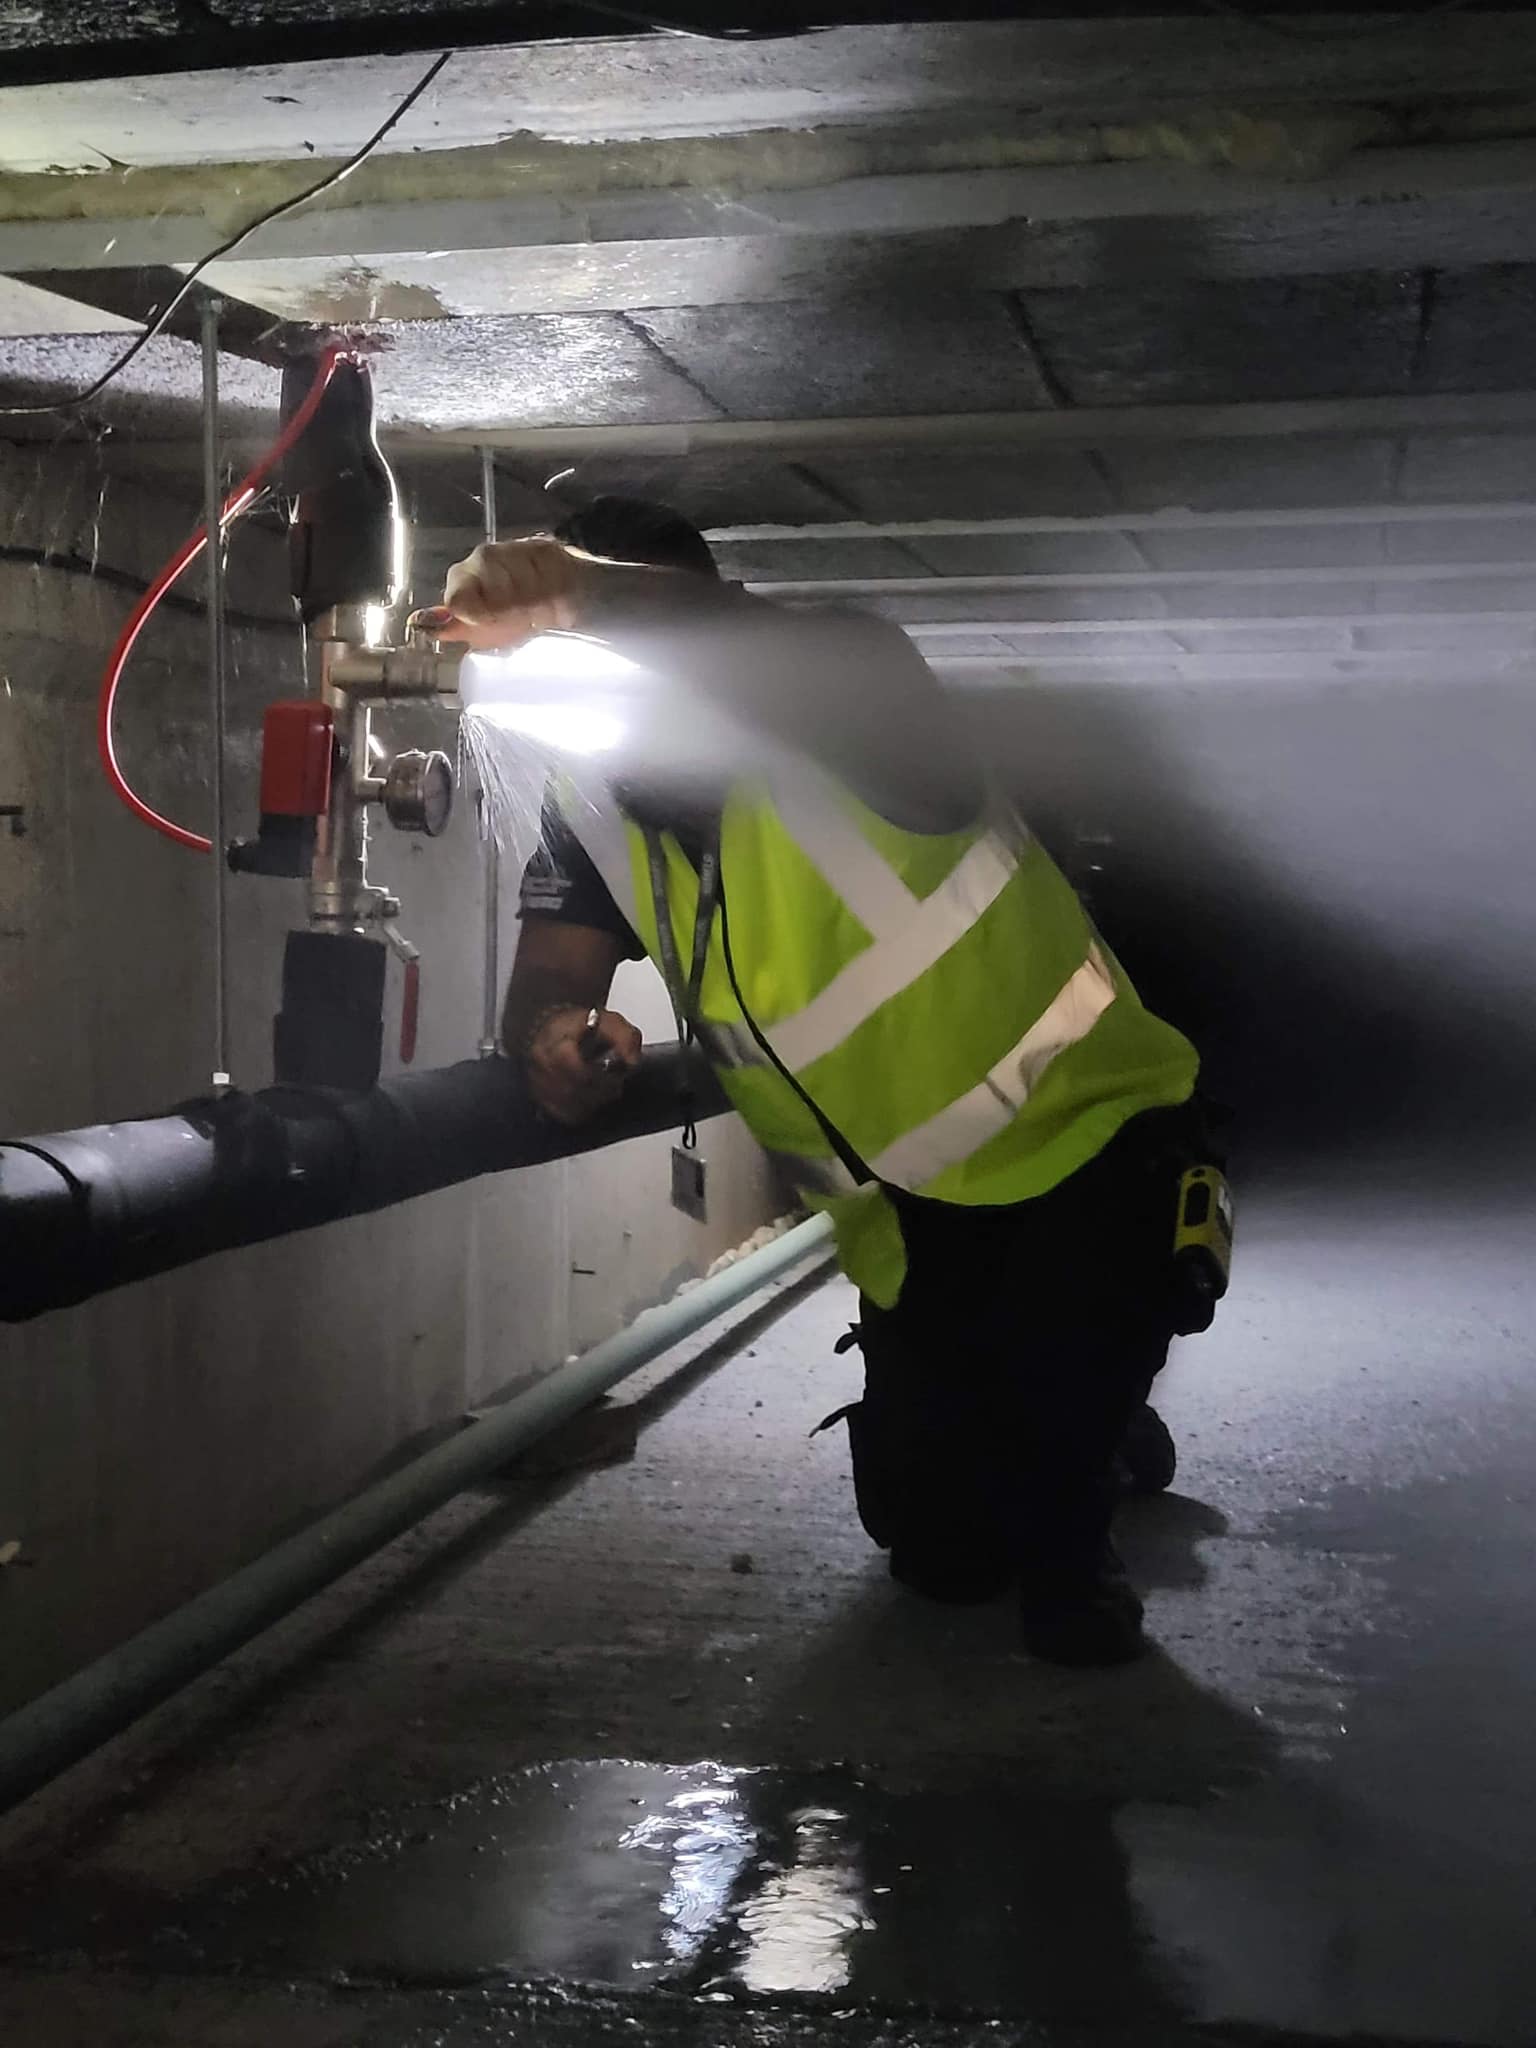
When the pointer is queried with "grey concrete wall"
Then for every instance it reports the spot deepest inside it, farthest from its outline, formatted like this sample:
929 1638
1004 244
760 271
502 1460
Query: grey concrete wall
152 1440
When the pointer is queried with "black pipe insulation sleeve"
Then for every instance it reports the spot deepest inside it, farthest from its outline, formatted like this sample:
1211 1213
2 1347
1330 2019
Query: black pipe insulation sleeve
88 1210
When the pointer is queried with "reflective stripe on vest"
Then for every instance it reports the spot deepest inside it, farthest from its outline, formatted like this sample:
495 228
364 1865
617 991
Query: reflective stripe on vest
967 1124
962 1127
906 946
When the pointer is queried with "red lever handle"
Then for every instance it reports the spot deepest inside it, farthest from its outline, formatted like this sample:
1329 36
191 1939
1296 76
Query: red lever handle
410 1011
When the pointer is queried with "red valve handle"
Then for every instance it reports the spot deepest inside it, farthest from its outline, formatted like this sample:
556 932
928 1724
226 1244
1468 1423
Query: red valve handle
410 1011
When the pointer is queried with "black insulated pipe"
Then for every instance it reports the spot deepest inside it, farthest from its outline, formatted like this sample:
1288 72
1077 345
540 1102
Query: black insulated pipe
85 1211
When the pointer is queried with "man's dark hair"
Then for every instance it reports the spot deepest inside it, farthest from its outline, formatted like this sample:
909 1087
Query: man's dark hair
637 530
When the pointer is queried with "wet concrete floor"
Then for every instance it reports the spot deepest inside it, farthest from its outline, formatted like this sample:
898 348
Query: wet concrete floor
660 1739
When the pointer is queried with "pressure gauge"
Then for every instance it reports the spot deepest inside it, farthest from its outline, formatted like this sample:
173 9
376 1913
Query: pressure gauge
418 792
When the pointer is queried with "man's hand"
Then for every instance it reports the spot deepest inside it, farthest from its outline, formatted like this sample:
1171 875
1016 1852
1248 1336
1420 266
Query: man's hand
507 591
577 1061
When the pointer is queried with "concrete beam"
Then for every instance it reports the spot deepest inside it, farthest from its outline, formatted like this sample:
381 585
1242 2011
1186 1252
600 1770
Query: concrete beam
759 219
113 103
471 269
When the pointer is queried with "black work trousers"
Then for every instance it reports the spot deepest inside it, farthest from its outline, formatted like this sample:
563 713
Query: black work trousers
998 1388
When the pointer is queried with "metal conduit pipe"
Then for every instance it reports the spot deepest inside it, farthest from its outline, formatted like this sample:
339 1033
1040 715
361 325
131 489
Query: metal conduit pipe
56 1730
87 1210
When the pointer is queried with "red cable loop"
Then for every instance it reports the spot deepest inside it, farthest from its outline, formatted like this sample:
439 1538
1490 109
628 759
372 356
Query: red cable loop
185 555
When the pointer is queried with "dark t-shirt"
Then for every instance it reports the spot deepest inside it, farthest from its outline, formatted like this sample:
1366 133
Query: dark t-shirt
561 883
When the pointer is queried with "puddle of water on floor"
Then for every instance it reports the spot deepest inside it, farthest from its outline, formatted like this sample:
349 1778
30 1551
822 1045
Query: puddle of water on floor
1273 1905
711 1878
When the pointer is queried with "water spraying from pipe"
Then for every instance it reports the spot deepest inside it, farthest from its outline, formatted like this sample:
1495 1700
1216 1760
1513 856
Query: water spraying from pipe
570 706
558 701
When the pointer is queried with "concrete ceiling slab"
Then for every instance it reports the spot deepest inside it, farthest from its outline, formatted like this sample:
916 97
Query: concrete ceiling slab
1470 467
1479 329
1276 474
1296 547
1033 554
973 485
852 358
1474 595
1472 540
539 370
1207 342
870 558
428 377
1507 631
158 395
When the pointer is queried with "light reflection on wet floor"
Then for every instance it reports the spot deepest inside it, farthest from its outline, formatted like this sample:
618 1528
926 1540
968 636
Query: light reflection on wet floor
712 1879
719 1882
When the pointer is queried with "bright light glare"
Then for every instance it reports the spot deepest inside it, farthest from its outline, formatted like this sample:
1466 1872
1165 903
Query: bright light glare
560 690
570 728
551 661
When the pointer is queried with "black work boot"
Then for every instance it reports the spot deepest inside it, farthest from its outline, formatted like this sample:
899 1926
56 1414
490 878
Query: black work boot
1147 1460
1092 1622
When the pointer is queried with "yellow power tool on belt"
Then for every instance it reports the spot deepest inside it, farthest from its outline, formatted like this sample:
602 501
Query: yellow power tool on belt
1202 1247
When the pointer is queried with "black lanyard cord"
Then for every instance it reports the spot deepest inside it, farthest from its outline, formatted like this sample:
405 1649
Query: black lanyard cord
685 999
845 1152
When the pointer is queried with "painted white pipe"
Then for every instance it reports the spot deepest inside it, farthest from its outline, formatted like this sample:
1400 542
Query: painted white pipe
1248 622
1324 670
1477 412
1172 519
1332 573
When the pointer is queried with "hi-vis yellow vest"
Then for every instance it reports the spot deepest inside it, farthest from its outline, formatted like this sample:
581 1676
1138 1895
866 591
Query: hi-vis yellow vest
943 1000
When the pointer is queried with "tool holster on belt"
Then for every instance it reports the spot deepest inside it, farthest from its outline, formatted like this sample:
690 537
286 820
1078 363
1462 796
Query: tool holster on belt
1201 1250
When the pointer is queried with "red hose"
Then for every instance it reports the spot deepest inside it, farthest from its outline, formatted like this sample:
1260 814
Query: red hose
183 558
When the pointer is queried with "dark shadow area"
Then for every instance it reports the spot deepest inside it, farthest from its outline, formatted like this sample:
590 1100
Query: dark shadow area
1159 1535
1359 992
